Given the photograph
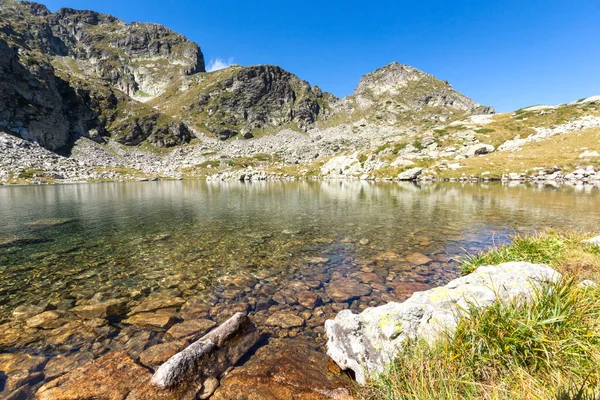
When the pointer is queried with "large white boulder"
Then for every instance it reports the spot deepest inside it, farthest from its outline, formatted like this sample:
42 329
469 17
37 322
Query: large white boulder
368 342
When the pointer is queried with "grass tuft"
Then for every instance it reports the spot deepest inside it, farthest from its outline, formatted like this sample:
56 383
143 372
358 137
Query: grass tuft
548 347
545 348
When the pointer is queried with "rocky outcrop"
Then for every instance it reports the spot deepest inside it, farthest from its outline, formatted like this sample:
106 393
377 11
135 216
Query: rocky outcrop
76 73
239 100
399 94
368 342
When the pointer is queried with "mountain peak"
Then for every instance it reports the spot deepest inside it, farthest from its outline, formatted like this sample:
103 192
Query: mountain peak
389 78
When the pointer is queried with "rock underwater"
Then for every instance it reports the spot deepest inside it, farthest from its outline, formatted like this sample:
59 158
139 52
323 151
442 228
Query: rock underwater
368 342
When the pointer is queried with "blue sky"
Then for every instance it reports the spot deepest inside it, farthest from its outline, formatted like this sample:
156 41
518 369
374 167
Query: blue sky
507 54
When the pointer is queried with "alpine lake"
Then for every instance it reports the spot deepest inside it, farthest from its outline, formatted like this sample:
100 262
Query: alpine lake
291 254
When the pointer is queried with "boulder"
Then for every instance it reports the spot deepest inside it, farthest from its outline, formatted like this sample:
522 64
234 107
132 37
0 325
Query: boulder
368 342
158 302
208 357
479 150
285 369
410 174
46 320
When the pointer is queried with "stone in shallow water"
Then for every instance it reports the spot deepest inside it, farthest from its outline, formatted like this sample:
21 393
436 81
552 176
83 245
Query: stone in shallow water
154 356
49 222
26 311
10 362
308 299
403 290
208 357
369 341
418 259
46 320
62 364
191 329
388 256
12 240
285 369
344 289
108 309
158 302
284 320
110 377
151 320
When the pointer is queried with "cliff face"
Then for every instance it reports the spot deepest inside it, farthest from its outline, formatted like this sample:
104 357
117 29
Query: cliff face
72 74
79 73
240 100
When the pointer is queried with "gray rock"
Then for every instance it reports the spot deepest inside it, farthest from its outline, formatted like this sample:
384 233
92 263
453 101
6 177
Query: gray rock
410 174
210 356
367 342
479 149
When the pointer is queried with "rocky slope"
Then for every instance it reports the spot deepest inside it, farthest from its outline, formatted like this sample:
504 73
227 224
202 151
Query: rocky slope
77 73
72 78
246 101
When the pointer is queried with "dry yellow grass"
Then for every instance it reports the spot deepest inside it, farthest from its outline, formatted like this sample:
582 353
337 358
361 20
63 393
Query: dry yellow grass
561 150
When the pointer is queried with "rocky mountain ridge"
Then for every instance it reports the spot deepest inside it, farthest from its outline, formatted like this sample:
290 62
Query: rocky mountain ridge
113 96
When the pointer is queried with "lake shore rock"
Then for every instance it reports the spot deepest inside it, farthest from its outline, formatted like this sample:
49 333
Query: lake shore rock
285 369
367 342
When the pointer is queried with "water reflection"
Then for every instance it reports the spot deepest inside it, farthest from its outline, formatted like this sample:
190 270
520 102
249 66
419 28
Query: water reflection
255 246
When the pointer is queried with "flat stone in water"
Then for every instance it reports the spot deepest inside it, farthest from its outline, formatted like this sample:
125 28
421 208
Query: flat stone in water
112 376
151 320
192 329
26 311
418 259
154 356
107 309
46 320
158 302
284 320
50 222
285 369
13 240
61 364
344 289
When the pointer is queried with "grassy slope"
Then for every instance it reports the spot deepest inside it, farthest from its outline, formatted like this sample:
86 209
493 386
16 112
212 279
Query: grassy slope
546 348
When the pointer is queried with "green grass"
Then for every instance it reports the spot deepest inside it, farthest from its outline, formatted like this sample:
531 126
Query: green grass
545 348
538 249
562 250
548 347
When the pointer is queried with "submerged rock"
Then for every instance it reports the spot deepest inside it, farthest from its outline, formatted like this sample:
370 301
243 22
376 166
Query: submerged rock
367 342
112 376
285 369
344 289
191 329
284 320
107 309
49 222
